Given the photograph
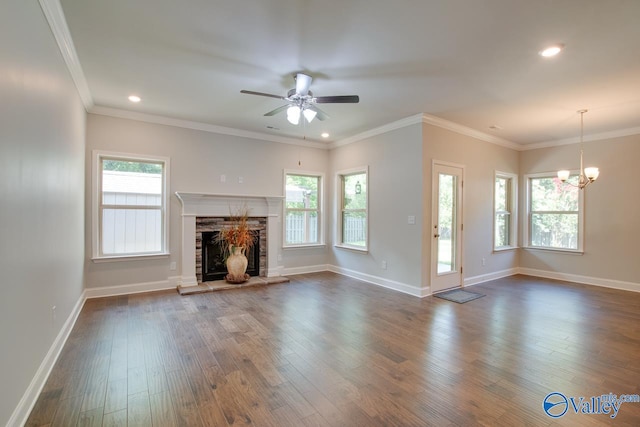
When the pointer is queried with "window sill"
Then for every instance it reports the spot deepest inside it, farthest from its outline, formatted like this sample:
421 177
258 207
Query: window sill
353 248
505 249
563 251
137 257
305 246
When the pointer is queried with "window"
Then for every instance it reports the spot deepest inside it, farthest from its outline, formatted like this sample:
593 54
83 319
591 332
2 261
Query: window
303 214
555 214
353 228
505 218
130 215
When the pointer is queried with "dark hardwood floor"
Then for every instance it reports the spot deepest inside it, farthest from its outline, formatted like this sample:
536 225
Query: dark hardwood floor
326 350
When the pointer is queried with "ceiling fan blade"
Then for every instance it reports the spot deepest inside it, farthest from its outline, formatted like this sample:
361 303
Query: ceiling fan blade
341 99
303 82
277 110
250 92
321 115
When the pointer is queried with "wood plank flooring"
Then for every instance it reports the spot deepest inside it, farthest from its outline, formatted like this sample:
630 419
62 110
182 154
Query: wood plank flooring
326 350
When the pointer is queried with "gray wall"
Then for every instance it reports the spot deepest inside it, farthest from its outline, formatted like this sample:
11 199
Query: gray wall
197 160
395 192
612 210
42 129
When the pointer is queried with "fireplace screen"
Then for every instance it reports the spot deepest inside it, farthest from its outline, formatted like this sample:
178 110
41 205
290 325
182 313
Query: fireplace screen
213 260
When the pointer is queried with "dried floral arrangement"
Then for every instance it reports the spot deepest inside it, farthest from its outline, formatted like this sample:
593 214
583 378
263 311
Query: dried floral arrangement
237 234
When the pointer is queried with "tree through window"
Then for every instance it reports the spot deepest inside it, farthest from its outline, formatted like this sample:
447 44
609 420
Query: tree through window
555 213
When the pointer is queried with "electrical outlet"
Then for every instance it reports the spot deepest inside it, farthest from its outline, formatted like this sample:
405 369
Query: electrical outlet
411 219
279 257
172 266
484 262
240 180
384 265
223 178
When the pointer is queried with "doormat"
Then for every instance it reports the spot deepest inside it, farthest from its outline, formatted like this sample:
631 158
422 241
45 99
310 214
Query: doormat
459 296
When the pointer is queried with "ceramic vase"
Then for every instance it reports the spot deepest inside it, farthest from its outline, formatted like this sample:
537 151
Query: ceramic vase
236 264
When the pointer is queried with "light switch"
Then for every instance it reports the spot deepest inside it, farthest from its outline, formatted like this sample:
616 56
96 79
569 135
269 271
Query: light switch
411 219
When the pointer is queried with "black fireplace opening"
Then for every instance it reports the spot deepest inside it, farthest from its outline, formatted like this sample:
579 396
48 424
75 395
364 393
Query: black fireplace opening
213 260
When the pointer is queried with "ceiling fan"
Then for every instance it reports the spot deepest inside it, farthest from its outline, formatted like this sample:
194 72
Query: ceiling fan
300 101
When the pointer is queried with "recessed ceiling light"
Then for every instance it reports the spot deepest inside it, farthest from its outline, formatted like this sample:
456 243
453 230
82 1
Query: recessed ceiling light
551 50
134 98
324 135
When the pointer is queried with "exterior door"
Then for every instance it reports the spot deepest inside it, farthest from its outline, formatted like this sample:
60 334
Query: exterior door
446 236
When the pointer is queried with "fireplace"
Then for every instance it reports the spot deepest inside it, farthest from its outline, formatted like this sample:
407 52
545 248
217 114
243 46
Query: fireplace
210 264
203 208
213 257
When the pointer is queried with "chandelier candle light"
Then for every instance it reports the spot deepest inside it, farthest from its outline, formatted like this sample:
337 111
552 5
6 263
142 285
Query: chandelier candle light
587 175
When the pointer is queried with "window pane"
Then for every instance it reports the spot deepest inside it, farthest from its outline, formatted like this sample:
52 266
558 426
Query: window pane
355 191
354 228
502 230
502 188
131 231
550 194
554 230
301 227
302 192
131 183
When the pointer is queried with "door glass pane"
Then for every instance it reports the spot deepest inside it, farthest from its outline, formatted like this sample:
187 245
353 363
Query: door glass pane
447 223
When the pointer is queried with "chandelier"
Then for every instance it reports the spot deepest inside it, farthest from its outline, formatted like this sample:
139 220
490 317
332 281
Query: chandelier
587 175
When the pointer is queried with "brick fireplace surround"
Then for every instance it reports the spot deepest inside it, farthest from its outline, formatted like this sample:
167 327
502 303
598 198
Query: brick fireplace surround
199 205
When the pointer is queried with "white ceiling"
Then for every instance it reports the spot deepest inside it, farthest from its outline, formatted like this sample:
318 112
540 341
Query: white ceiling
472 62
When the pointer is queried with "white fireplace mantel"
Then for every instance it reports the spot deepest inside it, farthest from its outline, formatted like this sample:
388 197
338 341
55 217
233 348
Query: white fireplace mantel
204 205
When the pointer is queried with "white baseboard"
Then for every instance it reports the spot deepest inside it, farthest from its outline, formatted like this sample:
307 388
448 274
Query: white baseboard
586 280
470 281
380 281
134 288
292 271
30 396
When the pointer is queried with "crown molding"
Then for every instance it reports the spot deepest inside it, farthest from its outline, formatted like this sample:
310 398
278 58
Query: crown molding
205 127
458 128
398 124
587 138
54 15
432 120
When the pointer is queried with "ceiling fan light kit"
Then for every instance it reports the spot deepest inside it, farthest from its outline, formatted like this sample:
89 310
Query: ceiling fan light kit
301 102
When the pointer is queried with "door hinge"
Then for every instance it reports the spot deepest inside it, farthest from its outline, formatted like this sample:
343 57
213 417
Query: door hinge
460 270
461 227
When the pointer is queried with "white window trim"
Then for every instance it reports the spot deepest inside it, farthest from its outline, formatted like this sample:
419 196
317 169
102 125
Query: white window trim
527 223
338 211
96 177
513 223
321 209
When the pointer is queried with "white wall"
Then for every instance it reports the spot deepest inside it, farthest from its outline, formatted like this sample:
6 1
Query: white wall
197 160
481 159
395 192
42 129
612 211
